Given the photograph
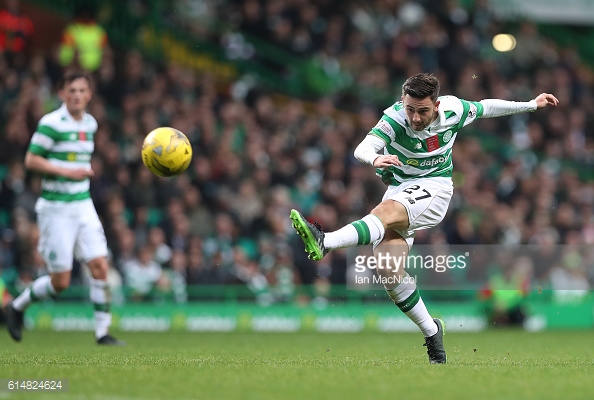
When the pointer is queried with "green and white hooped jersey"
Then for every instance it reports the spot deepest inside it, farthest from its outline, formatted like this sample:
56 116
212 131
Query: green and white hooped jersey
427 153
67 143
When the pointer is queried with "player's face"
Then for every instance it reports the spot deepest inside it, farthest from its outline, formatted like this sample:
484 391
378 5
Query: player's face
420 112
76 95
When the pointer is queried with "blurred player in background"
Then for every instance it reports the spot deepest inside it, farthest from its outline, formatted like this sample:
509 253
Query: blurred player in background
61 150
416 136
83 41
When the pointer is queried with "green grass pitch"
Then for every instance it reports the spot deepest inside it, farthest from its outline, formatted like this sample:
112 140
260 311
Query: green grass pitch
504 364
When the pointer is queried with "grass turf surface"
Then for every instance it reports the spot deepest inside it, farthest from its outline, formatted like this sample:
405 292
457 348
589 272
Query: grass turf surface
490 365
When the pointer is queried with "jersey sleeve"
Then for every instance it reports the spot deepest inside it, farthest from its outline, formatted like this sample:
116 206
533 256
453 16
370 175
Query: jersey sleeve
471 111
500 108
384 130
94 125
43 140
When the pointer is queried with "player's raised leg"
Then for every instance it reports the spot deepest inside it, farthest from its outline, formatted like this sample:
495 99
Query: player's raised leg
42 288
56 243
317 243
367 230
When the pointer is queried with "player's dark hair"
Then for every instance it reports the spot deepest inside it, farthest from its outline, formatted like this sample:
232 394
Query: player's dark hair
421 85
73 75
85 10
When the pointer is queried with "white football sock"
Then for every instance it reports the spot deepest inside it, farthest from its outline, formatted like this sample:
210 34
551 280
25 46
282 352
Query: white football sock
406 296
99 294
364 231
102 323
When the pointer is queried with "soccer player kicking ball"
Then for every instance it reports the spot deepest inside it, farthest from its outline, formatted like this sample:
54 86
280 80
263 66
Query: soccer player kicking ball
416 136
61 150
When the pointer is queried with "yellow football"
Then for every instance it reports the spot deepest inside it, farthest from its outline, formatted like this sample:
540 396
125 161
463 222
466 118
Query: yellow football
166 152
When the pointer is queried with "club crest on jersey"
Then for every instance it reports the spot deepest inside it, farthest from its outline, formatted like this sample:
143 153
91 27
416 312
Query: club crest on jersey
447 136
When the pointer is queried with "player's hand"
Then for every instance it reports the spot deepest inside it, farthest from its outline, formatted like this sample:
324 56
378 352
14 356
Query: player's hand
387 161
78 174
545 99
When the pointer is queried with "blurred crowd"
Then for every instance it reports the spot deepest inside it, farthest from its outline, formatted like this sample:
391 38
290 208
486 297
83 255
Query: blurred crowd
258 155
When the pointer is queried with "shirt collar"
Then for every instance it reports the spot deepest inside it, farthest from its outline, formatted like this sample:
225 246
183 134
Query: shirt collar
69 116
440 120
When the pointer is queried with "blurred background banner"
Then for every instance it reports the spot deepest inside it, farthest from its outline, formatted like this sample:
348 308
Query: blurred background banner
354 317
571 12
274 96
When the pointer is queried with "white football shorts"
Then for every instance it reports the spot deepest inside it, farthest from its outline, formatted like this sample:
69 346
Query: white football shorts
69 230
426 201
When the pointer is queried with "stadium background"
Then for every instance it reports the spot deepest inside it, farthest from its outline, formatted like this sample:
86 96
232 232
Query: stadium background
274 96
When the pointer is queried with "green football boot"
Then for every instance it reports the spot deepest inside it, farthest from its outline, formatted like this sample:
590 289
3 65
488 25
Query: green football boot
312 235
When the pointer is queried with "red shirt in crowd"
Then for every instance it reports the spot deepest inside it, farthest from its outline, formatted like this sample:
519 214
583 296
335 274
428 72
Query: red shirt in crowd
14 31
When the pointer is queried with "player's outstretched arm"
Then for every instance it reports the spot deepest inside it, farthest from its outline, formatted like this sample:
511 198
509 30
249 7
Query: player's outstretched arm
41 164
499 108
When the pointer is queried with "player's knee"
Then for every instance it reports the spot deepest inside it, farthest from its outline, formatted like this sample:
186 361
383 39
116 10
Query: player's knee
392 214
60 282
383 212
99 267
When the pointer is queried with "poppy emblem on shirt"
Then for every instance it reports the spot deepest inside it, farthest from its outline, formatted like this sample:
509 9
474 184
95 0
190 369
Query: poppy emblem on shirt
82 136
432 143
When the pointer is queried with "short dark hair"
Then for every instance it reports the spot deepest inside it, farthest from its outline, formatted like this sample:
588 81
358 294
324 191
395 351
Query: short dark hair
421 85
85 10
73 75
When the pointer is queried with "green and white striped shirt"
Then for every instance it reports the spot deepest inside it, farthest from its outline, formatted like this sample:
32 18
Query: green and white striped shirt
67 143
427 153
